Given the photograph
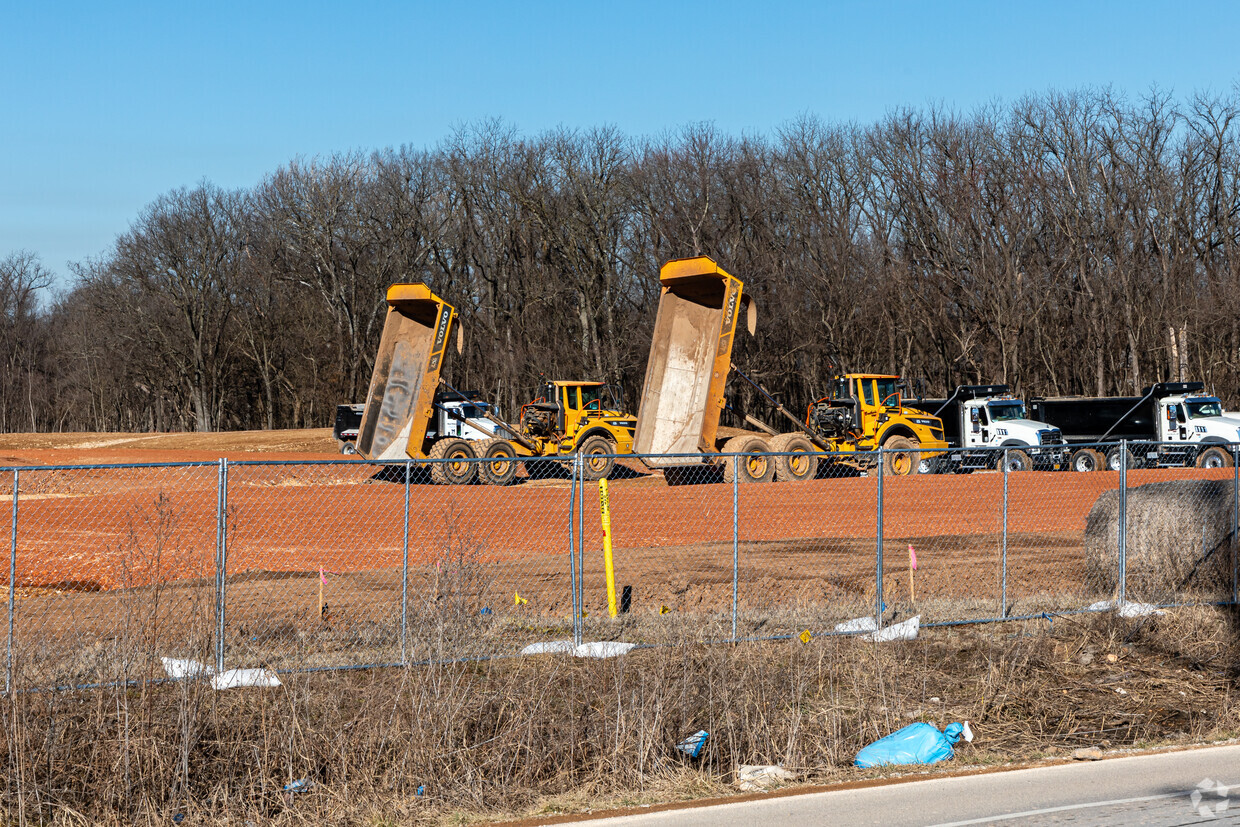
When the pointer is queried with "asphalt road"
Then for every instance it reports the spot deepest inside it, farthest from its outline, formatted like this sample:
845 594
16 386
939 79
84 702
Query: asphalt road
1147 790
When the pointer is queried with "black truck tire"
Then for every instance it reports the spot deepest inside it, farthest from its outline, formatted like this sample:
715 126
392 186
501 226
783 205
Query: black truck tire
1118 456
758 466
596 462
1215 457
1085 460
901 457
457 469
500 461
1016 460
799 460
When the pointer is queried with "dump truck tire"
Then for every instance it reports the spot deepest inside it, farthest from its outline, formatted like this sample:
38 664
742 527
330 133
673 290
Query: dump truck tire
901 457
500 465
459 472
1118 456
1215 457
800 460
1017 460
595 462
1084 460
759 466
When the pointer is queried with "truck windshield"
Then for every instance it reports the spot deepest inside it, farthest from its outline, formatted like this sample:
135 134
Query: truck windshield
1198 408
591 397
1007 411
887 393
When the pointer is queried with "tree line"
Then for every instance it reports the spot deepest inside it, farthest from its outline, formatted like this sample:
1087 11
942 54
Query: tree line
1070 243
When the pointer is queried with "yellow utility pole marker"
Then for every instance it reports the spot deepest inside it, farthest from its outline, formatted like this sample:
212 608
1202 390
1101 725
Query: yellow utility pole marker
912 567
605 514
805 636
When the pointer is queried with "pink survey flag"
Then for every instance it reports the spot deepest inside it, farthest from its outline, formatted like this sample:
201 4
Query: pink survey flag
912 557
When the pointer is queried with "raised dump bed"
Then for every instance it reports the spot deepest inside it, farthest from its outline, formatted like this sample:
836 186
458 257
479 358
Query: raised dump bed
690 355
406 374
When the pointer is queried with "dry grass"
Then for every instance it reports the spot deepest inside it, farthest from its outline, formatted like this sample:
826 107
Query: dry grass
550 733
461 742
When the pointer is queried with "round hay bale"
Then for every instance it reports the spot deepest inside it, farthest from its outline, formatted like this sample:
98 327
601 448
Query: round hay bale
1179 539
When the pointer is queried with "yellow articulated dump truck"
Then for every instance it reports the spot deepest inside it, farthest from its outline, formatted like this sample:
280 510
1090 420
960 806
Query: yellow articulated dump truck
683 395
862 413
411 412
687 371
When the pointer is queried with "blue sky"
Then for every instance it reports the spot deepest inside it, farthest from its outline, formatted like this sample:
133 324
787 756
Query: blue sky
104 107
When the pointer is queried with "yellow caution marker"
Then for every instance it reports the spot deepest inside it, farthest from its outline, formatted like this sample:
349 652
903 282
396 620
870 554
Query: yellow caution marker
605 515
518 600
805 636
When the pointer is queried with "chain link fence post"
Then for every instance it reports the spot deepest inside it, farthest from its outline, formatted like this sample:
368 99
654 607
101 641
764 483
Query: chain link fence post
572 552
8 659
1003 601
1122 536
404 575
221 561
878 549
581 544
736 545
1235 521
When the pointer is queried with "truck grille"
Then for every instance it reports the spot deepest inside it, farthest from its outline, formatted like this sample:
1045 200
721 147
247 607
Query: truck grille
1050 437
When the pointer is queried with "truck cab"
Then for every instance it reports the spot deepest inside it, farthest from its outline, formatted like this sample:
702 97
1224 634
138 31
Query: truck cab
979 419
461 418
995 422
1197 420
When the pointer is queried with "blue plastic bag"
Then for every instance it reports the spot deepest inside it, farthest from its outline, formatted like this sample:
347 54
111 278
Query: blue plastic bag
915 744
692 746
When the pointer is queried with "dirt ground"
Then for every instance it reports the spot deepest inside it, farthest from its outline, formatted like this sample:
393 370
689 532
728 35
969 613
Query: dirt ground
84 531
73 448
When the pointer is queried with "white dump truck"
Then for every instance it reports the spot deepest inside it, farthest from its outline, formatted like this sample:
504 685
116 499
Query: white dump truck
1172 424
977 419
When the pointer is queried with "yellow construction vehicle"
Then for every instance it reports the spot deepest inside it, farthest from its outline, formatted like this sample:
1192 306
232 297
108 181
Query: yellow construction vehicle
683 395
865 411
410 411
862 413
567 418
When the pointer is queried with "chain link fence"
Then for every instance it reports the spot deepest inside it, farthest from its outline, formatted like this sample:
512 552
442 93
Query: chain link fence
348 564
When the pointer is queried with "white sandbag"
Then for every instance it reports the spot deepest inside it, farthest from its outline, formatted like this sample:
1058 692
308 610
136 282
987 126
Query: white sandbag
1139 610
550 647
857 624
752 778
181 668
236 678
603 649
906 630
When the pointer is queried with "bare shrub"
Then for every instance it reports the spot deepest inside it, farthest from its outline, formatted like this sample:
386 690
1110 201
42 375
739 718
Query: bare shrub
446 596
